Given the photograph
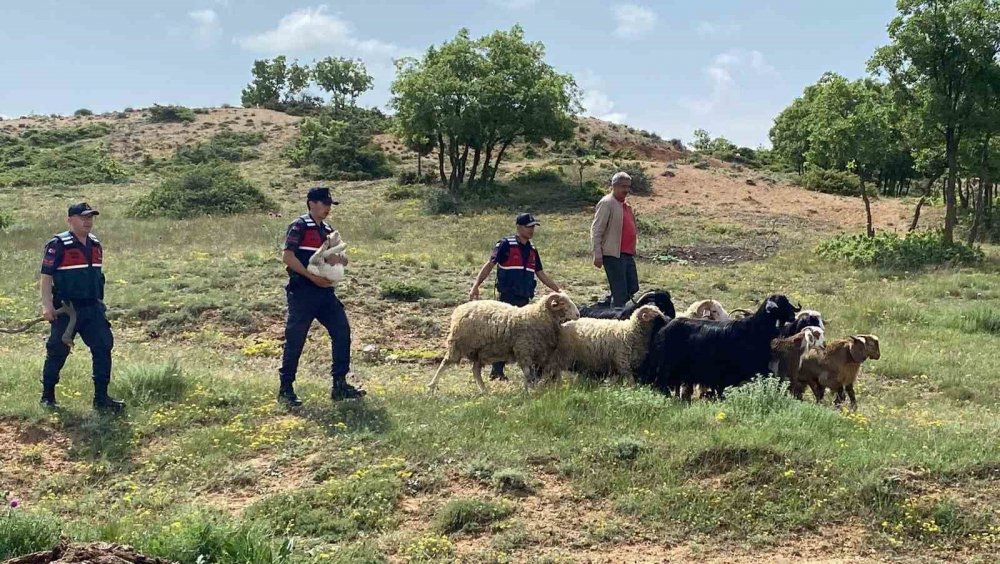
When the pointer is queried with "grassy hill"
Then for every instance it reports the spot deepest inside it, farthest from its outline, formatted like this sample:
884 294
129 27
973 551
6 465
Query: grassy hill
206 463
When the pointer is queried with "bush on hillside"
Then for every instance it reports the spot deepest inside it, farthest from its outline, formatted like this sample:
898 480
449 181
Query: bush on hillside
830 181
23 165
83 112
330 149
207 189
642 184
889 250
6 220
232 146
410 177
531 174
50 138
170 114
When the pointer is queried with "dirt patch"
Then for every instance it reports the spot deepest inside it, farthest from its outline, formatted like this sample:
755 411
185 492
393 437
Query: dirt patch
703 255
94 553
715 194
31 452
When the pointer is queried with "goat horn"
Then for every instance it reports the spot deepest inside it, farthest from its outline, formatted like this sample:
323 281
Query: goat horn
742 311
798 307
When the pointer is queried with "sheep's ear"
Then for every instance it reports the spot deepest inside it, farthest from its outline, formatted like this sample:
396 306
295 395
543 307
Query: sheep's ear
647 315
555 302
857 350
770 306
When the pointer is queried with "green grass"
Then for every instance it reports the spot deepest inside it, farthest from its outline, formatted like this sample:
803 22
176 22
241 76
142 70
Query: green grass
198 305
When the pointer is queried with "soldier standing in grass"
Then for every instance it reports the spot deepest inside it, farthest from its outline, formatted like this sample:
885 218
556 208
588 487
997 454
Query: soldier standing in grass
518 264
613 238
312 297
72 275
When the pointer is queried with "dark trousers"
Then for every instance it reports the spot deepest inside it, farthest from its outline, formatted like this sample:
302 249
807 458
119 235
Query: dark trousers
622 277
514 301
92 325
306 303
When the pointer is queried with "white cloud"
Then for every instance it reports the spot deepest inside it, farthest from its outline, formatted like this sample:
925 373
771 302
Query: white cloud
223 3
717 30
595 100
312 28
754 60
3 117
721 71
597 104
207 27
633 21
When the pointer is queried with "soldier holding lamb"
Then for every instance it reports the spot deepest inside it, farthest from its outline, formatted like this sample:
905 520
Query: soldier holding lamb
311 297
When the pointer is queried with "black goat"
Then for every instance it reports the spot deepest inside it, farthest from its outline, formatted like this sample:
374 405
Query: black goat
804 318
603 310
715 354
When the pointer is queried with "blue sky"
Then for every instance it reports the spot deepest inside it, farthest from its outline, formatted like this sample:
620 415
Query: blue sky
666 66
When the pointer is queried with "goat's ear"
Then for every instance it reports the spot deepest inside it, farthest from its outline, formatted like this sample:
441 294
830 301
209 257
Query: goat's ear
857 350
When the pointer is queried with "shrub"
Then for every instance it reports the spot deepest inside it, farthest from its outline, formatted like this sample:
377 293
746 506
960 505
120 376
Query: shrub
83 112
332 149
889 250
49 138
22 165
6 220
229 146
170 114
441 202
213 189
531 174
830 181
642 184
403 291
405 192
409 177
511 480
470 515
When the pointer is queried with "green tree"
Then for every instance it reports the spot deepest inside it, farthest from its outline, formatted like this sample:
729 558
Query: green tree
345 79
475 97
275 83
941 61
850 127
702 140
790 133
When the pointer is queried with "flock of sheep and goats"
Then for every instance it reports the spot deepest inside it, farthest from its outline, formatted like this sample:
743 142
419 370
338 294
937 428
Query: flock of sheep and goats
650 343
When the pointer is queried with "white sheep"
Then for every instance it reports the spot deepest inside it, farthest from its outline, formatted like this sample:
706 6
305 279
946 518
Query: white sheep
606 346
706 309
318 265
487 331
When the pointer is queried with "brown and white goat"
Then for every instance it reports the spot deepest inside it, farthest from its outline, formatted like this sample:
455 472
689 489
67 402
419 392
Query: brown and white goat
787 353
839 366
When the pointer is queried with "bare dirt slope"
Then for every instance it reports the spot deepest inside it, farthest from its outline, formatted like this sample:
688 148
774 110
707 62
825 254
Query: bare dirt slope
723 195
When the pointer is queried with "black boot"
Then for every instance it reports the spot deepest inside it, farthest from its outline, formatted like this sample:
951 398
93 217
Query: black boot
342 390
104 402
48 400
286 395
